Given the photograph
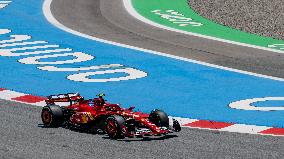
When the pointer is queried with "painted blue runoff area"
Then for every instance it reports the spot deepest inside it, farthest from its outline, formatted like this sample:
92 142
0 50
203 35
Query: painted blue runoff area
180 88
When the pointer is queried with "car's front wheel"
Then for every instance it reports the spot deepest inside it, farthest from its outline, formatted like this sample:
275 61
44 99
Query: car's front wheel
115 127
159 118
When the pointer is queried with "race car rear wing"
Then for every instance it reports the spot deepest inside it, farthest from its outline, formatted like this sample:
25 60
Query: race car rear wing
68 97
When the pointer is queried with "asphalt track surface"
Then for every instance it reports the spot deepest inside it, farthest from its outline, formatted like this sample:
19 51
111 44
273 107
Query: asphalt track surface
107 19
21 134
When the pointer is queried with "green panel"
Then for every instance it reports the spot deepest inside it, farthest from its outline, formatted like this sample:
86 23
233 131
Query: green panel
179 11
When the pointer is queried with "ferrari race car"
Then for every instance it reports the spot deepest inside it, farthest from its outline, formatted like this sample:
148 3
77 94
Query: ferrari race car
110 118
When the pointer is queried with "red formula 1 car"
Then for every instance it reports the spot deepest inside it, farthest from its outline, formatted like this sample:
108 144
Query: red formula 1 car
110 118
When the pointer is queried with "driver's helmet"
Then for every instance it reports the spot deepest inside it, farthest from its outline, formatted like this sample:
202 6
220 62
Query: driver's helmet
101 95
100 101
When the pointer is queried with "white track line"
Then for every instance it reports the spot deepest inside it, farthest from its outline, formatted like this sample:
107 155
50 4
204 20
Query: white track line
48 15
8 94
242 128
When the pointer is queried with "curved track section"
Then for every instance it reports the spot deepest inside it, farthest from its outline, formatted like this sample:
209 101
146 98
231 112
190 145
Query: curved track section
109 20
22 135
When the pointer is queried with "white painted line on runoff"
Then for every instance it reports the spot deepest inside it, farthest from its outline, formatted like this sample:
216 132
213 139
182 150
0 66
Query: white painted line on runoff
48 15
4 31
8 95
8 53
247 104
16 38
23 43
5 1
129 7
242 128
80 57
3 4
53 68
83 77
29 48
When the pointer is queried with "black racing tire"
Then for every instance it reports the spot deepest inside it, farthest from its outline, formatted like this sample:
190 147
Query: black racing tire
115 127
159 118
52 116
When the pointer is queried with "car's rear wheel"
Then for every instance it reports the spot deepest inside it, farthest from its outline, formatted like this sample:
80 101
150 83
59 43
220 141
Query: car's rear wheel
159 118
52 116
115 127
